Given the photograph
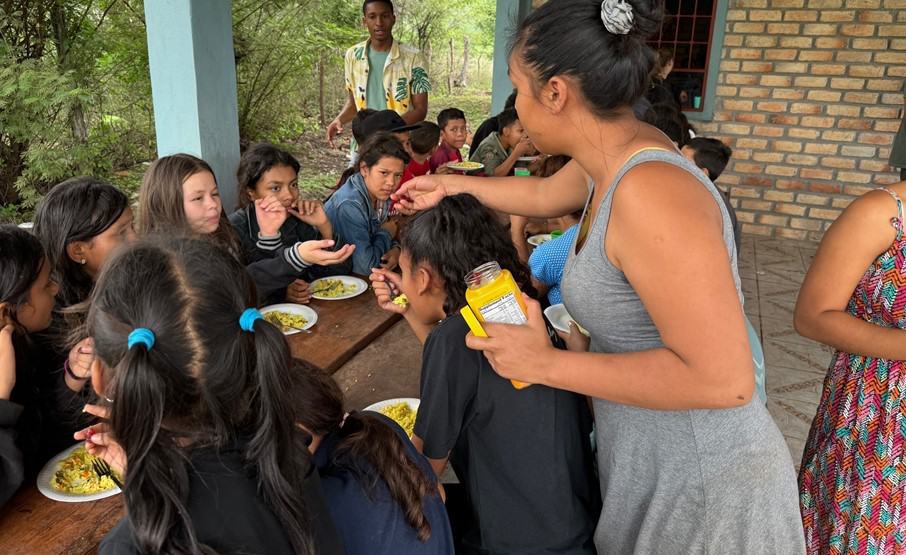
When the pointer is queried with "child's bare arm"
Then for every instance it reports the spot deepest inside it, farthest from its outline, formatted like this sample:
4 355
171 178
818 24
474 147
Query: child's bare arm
438 465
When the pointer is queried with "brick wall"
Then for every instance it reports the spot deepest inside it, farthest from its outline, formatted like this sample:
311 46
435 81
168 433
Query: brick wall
808 96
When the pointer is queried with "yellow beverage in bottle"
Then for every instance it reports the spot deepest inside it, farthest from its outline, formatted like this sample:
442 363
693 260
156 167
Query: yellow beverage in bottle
494 297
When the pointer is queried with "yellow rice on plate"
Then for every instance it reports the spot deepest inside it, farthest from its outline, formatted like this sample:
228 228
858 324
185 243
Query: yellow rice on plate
329 288
75 475
286 321
402 414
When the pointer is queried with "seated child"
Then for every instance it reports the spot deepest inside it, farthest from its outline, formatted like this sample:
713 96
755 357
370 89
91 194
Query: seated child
548 260
490 125
382 493
453 132
26 306
200 389
179 196
712 157
422 145
367 123
522 455
360 209
521 227
500 151
80 222
264 171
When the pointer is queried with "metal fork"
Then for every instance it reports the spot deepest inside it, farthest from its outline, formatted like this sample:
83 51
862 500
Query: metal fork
101 468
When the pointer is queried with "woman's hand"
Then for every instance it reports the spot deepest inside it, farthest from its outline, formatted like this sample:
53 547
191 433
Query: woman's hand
310 211
386 285
522 353
391 259
298 292
7 362
419 193
100 443
271 214
319 253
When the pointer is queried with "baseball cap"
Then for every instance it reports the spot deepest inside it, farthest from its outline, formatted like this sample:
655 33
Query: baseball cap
386 120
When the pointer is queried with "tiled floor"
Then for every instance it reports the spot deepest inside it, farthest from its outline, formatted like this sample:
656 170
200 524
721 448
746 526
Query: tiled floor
772 271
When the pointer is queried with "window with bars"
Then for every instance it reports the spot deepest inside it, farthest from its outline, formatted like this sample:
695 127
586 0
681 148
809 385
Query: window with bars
688 29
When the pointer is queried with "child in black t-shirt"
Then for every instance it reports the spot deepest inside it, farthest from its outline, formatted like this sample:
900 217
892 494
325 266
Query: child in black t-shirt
523 456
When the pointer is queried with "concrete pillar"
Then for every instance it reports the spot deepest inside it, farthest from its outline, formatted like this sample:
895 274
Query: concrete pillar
509 14
193 84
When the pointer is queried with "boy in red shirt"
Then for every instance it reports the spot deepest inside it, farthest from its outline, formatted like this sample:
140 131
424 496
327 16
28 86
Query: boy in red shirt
422 145
453 132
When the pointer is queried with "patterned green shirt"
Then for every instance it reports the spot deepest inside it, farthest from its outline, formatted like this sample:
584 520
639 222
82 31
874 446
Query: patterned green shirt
404 76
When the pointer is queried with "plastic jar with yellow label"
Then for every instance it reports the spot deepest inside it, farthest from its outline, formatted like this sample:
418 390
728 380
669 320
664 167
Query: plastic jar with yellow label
494 297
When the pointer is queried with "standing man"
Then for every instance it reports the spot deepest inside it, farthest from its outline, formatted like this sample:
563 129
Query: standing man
381 73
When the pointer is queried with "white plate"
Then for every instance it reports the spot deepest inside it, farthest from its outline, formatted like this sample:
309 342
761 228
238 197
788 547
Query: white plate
380 405
457 167
360 285
377 407
536 240
560 318
306 312
51 467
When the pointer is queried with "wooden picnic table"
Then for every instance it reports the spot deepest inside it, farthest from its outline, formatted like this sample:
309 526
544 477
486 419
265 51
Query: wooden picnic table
31 524
344 328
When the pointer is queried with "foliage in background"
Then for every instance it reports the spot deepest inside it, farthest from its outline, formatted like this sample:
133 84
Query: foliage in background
75 91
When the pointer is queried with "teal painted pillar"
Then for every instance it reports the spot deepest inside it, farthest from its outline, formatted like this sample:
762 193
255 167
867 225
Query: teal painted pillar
509 14
193 85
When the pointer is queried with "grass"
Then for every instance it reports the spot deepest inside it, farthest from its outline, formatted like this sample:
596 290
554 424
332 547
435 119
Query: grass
475 104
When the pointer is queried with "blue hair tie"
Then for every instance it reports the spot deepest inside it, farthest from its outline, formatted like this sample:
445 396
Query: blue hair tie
248 318
143 336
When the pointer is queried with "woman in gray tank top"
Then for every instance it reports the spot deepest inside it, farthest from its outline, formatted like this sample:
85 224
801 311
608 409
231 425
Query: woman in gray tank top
689 460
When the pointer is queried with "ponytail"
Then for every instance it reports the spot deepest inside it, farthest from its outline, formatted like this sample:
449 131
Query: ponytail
367 437
157 482
277 447
363 437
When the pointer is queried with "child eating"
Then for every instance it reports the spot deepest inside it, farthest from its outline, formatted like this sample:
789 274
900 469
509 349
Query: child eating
264 171
382 493
179 196
522 456
500 150
197 384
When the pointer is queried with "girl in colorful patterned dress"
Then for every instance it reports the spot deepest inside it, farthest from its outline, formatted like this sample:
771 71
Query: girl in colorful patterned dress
853 478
